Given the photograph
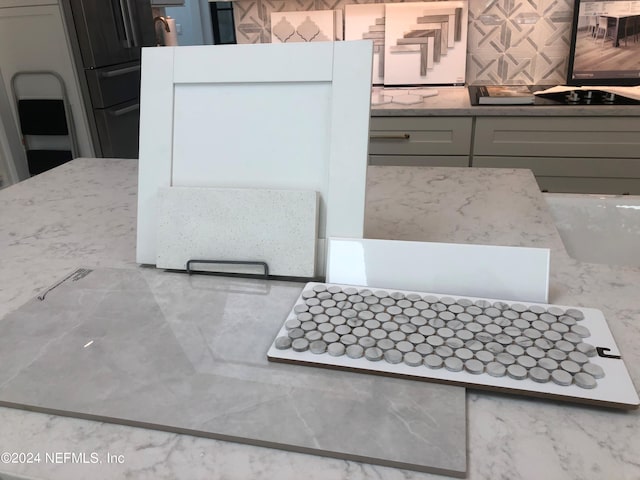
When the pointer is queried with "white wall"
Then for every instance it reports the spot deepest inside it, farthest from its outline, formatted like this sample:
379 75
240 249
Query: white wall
13 162
34 38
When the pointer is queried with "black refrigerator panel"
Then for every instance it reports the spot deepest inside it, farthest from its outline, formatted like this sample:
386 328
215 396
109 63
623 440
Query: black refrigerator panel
118 129
114 84
112 31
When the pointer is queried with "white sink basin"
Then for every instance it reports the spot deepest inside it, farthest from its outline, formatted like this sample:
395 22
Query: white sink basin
598 228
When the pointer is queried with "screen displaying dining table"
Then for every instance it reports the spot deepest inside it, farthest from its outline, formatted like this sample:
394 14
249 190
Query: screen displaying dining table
605 43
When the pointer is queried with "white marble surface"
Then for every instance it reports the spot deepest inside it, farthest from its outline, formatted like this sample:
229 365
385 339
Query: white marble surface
454 101
84 213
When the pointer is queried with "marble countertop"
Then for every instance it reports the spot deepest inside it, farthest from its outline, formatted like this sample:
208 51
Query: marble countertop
454 101
83 213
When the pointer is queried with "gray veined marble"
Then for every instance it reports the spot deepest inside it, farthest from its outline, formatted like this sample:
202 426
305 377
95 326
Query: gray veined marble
83 213
187 354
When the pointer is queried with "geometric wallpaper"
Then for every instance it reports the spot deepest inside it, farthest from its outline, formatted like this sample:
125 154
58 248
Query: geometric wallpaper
509 41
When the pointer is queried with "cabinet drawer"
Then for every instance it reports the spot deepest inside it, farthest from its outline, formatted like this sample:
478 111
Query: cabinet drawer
566 167
605 137
420 160
112 85
420 136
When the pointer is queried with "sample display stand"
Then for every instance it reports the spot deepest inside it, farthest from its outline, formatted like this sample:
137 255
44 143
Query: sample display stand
46 125
264 265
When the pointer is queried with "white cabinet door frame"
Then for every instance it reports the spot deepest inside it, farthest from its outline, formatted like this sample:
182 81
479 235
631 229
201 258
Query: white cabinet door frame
197 111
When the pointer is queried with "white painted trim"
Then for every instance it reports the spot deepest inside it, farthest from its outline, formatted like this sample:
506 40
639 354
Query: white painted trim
156 144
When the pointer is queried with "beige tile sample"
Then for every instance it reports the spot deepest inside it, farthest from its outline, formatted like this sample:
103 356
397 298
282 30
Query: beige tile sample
278 227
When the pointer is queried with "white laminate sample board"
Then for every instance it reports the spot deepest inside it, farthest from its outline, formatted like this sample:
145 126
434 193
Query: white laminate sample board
278 227
285 116
513 273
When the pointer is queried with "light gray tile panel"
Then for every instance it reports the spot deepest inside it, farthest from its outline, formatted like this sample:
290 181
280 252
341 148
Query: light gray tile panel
188 354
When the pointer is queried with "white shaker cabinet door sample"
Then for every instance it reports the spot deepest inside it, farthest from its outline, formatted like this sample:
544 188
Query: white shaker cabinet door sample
286 116
278 227
511 273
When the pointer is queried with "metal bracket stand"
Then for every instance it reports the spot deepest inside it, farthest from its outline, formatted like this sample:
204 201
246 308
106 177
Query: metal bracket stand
264 265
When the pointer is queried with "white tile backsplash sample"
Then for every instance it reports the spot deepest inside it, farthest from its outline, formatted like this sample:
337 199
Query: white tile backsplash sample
508 273
278 227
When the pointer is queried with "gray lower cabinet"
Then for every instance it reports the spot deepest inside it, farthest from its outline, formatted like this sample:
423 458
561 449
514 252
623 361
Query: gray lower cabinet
566 154
420 141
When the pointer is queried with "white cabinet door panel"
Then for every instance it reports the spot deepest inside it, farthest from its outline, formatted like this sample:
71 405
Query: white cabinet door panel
257 116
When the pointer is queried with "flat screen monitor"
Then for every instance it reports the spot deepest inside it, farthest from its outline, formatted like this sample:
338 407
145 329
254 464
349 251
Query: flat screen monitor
605 43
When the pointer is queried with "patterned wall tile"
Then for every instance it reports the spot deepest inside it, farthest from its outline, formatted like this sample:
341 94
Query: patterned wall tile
551 70
509 41
248 21
483 69
269 6
501 69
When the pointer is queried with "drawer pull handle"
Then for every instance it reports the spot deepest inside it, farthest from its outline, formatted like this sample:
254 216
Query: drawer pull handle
125 110
397 136
120 71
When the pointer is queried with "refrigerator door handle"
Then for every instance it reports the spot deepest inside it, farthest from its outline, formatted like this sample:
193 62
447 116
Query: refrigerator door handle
120 71
132 17
126 21
125 110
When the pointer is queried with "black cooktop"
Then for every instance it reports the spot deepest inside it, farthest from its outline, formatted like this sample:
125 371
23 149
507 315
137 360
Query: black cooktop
581 97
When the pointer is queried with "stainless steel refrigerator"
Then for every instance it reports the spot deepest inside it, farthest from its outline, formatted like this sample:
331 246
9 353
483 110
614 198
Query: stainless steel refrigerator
106 38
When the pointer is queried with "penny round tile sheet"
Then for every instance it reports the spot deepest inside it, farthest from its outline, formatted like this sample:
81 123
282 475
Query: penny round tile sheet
543 350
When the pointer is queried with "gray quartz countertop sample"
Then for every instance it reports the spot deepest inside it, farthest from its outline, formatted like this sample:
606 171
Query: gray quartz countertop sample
83 213
454 101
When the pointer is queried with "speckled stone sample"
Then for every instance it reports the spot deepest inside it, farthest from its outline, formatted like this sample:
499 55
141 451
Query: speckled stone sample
278 227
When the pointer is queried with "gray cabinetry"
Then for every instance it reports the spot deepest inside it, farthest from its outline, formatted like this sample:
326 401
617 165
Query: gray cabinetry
584 153
426 141
566 154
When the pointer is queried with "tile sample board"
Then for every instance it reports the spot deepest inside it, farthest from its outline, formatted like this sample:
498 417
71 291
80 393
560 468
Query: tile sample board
269 116
426 43
278 227
188 354
512 273
553 351
306 26
366 22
